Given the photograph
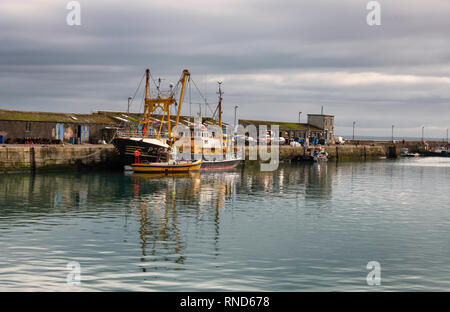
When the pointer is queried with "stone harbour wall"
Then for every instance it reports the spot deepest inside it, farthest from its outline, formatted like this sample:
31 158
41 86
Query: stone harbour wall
341 152
45 157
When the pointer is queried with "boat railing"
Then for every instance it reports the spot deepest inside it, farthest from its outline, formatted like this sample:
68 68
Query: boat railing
131 133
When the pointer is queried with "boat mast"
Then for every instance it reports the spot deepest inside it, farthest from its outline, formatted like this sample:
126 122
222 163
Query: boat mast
220 93
146 118
219 107
151 105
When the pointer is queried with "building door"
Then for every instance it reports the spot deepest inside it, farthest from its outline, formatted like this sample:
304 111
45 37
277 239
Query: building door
84 133
60 131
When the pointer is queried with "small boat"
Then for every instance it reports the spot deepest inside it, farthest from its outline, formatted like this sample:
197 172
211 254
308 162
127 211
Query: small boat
167 167
440 151
321 156
404 152
312 154
315 154
156 175
221 164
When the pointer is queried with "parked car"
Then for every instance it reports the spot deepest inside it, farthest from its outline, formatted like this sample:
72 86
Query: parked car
339 140
247 139
281 140
269 140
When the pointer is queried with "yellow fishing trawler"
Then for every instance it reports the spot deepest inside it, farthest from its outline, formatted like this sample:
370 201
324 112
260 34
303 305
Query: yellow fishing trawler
156 143
153 136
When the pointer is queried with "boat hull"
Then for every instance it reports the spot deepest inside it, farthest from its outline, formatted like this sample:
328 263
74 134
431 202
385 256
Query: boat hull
166 168
438 154
221 164
149 152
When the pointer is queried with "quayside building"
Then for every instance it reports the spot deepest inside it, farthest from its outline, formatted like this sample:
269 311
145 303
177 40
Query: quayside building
318 126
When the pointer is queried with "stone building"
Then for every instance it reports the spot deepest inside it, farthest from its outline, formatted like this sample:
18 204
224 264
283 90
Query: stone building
42 127
325 123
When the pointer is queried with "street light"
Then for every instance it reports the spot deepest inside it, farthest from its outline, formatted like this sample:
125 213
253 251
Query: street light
447 135
129 99
423 128
354 130
235 112
392 133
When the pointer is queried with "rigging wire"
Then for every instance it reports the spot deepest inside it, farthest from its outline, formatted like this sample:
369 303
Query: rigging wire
140 82
190 99
142 102
172 93
123 124
206 102
153 79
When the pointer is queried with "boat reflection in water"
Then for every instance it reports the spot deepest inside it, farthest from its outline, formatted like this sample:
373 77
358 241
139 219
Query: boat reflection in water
179 196
173 229
310 227
169 205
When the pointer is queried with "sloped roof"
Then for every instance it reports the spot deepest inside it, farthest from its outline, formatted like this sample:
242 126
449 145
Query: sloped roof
283 125
135 117
55 117
100 117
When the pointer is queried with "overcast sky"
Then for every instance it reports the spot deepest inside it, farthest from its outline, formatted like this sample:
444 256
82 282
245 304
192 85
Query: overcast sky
275 58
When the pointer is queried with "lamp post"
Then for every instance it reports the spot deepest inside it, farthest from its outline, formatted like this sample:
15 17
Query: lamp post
235 113
128 108
423 128
354 130
392 133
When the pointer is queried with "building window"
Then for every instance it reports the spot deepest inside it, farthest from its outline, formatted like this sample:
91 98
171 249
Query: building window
28 126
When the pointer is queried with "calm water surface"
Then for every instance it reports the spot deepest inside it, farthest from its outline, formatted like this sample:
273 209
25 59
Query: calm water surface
302 227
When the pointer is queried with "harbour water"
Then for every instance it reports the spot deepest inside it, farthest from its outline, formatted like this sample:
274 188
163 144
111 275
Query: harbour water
304 227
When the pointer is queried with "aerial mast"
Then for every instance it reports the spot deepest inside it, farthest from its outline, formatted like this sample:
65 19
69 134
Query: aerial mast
220 93
146 118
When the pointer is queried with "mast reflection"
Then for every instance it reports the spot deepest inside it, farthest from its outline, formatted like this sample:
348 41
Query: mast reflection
169 204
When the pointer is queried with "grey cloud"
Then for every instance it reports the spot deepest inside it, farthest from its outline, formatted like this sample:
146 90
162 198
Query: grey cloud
47 65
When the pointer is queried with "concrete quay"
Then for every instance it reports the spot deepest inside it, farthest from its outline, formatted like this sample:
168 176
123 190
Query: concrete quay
57 157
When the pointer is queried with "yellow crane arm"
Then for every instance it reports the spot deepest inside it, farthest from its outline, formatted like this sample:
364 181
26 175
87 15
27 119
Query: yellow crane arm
183 85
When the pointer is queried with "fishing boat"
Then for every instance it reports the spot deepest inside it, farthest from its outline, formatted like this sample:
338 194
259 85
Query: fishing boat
167 167
214 146
315 154
321 156
222 158
154 140
404 152
440 151
150 138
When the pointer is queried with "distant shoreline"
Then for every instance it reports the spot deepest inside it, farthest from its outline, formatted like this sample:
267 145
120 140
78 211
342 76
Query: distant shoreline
389 138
